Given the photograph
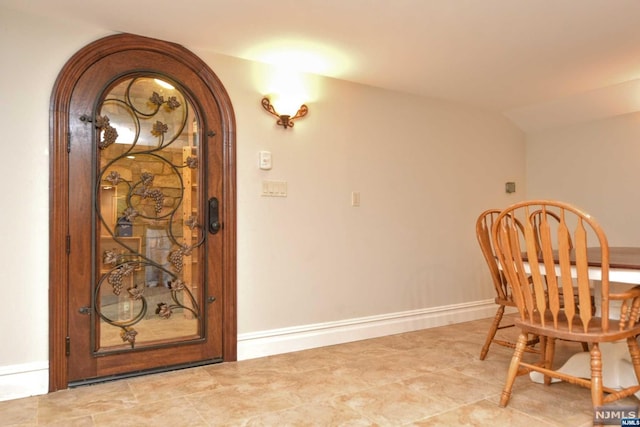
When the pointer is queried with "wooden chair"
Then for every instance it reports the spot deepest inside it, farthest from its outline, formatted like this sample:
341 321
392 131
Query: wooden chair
503 293
538 278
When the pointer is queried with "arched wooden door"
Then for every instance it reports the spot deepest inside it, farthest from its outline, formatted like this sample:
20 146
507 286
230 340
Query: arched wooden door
143 213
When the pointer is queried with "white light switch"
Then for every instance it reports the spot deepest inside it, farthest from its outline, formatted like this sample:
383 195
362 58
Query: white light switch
265 160
274 188
355 199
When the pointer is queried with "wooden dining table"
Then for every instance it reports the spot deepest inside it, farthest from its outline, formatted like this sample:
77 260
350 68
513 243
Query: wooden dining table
624 264
624 271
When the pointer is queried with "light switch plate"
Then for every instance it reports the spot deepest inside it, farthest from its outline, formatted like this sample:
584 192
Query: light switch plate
265 160
355 199
274 188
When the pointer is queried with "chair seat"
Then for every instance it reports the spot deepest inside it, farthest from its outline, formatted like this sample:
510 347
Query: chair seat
504 301
577 333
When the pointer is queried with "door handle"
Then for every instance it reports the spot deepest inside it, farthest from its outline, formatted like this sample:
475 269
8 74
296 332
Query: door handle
214 215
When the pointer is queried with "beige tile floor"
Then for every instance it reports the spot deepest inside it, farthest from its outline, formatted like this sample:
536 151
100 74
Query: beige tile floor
426 378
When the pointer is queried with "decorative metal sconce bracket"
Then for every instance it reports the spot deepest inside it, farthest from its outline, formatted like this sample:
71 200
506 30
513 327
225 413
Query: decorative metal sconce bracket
284 120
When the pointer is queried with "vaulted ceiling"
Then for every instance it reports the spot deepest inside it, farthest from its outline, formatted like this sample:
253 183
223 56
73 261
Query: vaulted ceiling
542 63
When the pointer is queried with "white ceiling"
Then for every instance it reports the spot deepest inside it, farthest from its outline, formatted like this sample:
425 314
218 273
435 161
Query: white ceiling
543 63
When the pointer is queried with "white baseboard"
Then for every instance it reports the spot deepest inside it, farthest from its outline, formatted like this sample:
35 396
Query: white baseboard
276 341
32 379
24 380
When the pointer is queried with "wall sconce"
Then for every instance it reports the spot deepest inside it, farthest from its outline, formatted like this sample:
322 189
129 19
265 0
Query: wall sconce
284 120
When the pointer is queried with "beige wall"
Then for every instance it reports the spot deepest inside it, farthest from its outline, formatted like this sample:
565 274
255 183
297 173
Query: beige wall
33 51
424 168
595 166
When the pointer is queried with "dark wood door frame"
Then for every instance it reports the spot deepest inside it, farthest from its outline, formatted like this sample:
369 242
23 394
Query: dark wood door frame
59 190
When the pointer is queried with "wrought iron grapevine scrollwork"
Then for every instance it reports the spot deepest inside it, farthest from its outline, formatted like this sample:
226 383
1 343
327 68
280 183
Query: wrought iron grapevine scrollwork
147 203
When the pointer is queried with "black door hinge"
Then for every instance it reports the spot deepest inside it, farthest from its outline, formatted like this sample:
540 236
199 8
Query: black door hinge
68 243
68 142
67 345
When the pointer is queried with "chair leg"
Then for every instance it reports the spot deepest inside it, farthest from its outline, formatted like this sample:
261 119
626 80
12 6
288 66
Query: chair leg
492 332
596 375
513 369
543 347
549 353
634 352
